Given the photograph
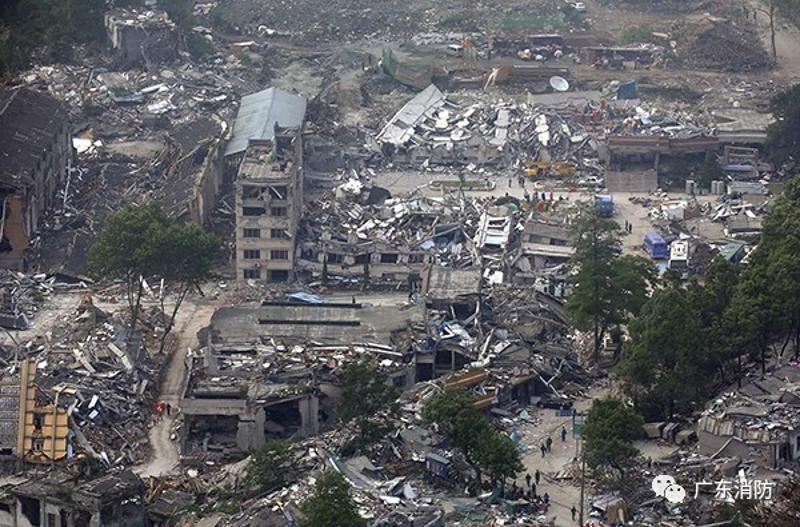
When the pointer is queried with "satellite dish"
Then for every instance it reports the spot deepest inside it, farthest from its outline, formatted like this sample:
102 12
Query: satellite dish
559 83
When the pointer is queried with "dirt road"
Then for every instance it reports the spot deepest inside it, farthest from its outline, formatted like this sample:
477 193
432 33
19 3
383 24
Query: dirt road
193 316
563 495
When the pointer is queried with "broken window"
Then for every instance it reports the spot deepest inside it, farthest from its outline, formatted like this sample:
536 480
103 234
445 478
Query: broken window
252 233
279 234
252 274
31 510
283 420
362 259
278 276
389 258
416 258
279 192
251 192
335 258
278 211
253 211
252 254
278 255
51 520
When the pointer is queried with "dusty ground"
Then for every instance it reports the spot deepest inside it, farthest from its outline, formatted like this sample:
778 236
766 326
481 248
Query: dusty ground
194 315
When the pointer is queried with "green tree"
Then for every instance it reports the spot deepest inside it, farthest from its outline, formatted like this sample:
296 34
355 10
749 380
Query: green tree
331 504
125 250
142 242
664 368
186 255
52 27
608 288
608 432
454 413
271 466
711 171
368 401
711 301
778 258
783 136
497 454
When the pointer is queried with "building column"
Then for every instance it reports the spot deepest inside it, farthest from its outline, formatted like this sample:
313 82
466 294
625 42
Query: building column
309 415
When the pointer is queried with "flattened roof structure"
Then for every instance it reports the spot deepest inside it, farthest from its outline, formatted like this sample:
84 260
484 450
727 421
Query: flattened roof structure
30 121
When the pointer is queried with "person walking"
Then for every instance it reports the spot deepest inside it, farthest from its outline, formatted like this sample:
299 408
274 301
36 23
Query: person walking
574 511
537 475
543 448
549 444
528 479
563 434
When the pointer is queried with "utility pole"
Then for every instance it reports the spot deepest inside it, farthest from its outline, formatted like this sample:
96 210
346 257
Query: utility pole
583 484
577 433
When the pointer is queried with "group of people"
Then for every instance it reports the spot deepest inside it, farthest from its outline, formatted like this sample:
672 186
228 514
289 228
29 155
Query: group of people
628 227
547 446
540 503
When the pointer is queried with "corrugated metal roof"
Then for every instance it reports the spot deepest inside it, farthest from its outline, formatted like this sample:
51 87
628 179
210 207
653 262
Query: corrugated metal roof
401 127
260 112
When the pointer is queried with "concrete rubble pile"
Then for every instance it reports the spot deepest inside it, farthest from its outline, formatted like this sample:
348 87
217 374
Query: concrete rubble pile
651 120
721 43
106 380
394 239
433 130
20 297
131 100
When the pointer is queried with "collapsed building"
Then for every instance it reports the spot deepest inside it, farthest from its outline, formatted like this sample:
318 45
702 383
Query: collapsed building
268 371
758 421
141 39
36 152
387 243
546 243
430 129
113 500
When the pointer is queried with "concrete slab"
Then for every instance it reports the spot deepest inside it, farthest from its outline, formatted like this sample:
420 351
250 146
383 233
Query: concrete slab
632 181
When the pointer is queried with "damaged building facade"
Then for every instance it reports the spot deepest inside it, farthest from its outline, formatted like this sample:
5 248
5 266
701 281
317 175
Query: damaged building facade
267 148
269 371
36 153
141 39
113 500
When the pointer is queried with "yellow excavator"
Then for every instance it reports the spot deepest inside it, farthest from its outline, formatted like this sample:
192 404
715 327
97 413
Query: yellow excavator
549 169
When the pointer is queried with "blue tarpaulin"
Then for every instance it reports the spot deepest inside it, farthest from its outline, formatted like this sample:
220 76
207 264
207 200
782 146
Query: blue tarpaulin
627 90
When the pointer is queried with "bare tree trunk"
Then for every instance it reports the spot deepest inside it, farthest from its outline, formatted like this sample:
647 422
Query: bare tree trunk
739 371
171 323
772 29
137 302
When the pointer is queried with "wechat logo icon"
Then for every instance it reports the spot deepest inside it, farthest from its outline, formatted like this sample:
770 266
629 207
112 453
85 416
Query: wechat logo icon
666 487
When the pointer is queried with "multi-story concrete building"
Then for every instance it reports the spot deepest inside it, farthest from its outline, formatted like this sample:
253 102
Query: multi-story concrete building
36 153
269 202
